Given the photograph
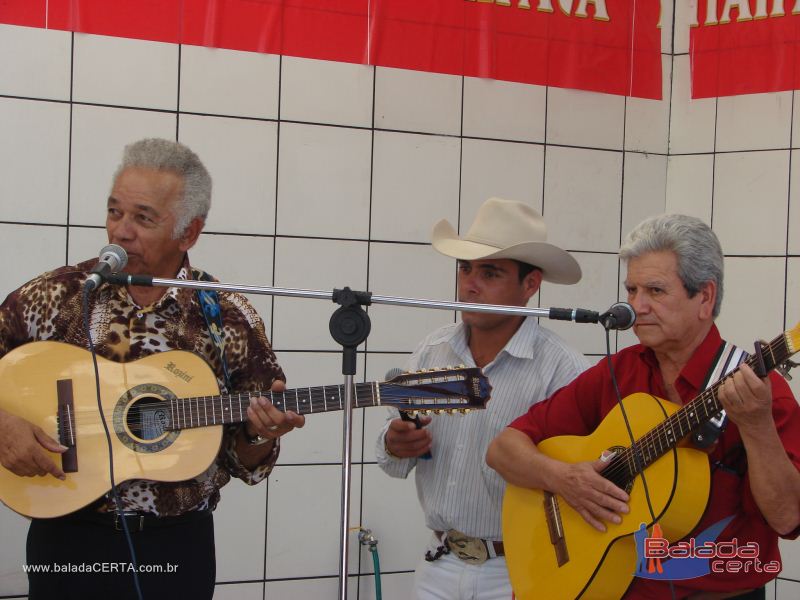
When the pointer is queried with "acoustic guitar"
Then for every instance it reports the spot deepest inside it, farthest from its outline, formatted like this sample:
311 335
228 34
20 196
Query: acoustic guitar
553 553
165 415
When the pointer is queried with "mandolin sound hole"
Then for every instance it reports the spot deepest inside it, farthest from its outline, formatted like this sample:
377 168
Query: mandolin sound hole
147 418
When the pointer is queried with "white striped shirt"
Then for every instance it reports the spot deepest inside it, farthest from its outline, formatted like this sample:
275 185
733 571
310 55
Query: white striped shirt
456 488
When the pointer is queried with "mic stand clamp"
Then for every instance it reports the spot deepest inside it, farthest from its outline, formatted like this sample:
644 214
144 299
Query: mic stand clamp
349 326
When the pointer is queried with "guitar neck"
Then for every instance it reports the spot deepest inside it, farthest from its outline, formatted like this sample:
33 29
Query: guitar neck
204 411
665 436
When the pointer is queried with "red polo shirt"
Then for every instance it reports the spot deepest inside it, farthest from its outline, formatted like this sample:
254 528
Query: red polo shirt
578 409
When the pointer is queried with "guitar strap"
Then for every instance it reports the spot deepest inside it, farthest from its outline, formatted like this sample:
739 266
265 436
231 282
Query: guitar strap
212 312
728 358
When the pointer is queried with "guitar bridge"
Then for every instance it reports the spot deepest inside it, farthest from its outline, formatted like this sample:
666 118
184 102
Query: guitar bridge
556 528
66 426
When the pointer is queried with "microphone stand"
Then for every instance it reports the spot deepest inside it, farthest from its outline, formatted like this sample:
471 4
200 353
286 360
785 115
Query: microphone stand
350 326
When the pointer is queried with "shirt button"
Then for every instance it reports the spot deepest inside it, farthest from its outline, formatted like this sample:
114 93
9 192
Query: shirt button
139 315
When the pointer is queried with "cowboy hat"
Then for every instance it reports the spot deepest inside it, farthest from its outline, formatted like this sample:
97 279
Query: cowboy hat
508 229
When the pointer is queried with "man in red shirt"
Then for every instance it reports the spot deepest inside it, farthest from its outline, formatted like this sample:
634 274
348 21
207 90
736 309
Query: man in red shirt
674 282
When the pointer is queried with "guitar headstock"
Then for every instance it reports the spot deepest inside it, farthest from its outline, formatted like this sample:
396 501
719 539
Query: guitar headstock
793 339
437 390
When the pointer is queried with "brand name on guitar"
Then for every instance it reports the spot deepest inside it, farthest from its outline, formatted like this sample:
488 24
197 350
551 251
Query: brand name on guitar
172 368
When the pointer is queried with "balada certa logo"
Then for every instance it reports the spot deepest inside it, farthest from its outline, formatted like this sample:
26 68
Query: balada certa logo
697 556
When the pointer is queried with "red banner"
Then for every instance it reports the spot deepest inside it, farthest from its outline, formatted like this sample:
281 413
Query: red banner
744 47
611 46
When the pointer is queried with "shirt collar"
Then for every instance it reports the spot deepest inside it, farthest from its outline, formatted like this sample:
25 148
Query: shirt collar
695 371
520 345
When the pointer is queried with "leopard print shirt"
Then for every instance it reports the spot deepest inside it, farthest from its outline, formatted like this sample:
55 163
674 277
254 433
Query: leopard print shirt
49 307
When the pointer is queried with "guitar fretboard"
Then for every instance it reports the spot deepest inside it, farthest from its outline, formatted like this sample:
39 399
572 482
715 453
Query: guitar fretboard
665 436
203 411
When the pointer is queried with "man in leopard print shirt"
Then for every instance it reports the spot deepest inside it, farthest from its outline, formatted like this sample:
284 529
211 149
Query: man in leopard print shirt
157 208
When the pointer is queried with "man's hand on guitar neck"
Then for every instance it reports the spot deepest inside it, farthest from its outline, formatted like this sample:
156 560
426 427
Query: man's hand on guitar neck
23 445
266 422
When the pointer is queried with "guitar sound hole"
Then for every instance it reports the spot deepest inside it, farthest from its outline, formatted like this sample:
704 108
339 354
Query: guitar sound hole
148 418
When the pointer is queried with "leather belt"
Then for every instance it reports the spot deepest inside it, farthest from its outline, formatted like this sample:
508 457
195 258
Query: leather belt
136 521
470 549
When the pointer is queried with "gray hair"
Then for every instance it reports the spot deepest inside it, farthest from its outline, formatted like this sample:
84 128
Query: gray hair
166 155
694 244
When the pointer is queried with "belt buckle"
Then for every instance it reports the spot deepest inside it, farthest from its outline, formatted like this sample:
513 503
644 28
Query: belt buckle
469 549
133 529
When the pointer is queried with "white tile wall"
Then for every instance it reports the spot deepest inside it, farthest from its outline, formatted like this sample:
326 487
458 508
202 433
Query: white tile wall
38 158
374 198
792 319
229 82
323 181
13 579
36 62
589 119
582 193
42 248
417 101
504 110
503 169
683 16
316 265
754 121
238 259
239 591
98 137
750 195
667 11
321 91
244 534
647 121
241 157
597 290
123 72
748 313
644 188
413 175
392 512
413 272
85 243
309 495
690 184
320 440
692 122
794 205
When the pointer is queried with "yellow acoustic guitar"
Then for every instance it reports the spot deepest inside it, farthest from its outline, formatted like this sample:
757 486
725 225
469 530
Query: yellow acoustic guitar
165 416
553 553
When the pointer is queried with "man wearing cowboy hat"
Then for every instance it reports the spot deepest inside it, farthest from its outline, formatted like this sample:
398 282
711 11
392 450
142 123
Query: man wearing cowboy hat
503 259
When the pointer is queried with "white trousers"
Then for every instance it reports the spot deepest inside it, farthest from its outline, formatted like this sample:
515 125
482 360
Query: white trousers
450 578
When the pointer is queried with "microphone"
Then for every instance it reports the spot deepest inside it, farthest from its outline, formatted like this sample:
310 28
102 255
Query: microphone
112 258
391 374
620 316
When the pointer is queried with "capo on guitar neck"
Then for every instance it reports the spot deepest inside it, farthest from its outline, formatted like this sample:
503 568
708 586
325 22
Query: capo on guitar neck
785 367
759 368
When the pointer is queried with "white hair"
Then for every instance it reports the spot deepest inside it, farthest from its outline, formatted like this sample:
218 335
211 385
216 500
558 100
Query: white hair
166 155
694 244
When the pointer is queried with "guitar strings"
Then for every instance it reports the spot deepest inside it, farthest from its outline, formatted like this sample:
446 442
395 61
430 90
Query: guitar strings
219 408
622 464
